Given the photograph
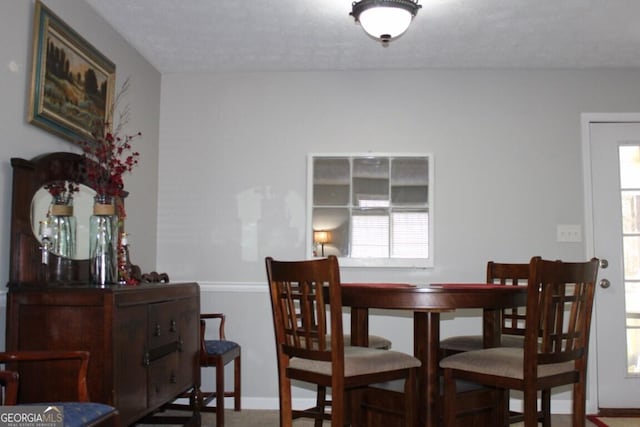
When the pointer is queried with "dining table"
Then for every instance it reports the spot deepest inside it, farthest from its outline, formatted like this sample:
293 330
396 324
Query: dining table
427 303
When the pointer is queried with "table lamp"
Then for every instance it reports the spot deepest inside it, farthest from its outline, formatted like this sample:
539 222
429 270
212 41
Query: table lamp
321 237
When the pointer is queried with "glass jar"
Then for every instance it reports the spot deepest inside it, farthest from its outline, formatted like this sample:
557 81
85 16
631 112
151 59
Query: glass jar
63 226
103 243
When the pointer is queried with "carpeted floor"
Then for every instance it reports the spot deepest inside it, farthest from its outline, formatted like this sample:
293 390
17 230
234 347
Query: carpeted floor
267 418
244 418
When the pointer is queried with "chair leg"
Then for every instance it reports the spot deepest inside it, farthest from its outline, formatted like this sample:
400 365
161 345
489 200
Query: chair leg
321 399
530 408
449 399
352 412
220 394
286 410
410 400
501 409
546 408
236 384
338 410
579 403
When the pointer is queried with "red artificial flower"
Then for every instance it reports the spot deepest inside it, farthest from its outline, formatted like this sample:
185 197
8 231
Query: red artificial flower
62 188
110 158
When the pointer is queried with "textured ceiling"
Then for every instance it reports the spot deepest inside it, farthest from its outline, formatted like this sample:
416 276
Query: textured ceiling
260 35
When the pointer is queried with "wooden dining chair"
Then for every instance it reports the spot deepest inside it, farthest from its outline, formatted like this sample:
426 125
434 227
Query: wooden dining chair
559 304
512 318
62 382
216 353
512 325
299 308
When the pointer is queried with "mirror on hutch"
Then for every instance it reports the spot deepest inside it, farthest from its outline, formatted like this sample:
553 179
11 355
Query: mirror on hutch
31 260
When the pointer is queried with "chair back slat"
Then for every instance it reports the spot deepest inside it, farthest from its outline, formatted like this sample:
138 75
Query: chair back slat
559 305
299 307
513 319
304 320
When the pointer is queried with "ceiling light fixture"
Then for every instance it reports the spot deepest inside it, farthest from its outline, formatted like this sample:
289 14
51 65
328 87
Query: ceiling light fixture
384 20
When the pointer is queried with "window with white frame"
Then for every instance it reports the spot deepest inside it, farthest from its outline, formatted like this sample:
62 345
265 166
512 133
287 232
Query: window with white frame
372 210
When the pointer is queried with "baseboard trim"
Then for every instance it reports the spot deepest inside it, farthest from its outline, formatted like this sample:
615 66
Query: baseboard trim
557 407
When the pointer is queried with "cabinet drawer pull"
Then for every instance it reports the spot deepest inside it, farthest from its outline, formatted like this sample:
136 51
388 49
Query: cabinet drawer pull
146 360
174 326
157 330
173 379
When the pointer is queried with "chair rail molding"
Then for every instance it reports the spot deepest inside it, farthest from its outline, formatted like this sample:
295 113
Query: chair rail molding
234 287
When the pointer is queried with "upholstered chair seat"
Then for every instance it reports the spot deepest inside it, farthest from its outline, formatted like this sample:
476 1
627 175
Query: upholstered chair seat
462 343
80 412
83 414
220 347
375 341
359 361
501 361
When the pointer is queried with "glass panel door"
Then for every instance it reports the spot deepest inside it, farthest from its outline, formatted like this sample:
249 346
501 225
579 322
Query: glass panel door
630 200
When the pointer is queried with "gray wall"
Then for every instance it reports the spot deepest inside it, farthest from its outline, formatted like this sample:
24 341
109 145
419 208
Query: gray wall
233 147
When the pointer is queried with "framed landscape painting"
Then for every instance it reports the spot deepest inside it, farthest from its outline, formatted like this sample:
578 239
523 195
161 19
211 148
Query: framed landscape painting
72 83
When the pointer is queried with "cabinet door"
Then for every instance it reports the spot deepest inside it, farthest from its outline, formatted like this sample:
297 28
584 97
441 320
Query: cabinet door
173 340
130 363
163 380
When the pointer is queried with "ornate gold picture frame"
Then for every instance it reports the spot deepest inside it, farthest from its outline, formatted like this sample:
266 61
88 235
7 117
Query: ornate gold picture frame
72 83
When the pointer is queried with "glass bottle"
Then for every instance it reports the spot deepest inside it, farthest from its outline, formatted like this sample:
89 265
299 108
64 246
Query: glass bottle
103 234
124 261
45 239
63 226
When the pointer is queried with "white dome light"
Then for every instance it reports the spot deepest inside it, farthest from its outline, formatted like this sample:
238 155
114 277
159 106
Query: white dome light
385 20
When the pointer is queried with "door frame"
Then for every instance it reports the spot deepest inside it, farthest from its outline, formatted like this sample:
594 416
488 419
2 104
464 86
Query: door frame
586 119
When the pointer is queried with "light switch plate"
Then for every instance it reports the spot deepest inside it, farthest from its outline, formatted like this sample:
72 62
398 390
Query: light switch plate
569 233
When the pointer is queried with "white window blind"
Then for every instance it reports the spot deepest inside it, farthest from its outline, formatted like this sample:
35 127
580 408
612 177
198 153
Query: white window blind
370 236
410 235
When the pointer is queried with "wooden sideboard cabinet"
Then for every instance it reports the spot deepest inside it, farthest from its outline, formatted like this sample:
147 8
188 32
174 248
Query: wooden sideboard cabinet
143 341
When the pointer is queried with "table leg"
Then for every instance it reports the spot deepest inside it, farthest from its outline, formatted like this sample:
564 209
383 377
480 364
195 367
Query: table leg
491 327
426 345
360 326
